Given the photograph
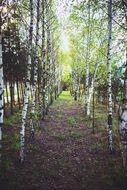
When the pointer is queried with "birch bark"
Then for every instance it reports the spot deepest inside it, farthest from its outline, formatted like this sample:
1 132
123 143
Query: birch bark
43 64
109 127
27 86
123 124
49 56
35 72
87 111
1 88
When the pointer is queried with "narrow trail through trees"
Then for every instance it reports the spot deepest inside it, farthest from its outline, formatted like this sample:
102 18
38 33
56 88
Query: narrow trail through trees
66 155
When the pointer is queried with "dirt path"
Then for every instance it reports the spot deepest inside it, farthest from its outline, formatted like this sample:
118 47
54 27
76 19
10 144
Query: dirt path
67 156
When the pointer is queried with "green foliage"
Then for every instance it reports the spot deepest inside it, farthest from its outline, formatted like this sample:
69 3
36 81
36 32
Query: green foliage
65 95
72 121
13 119
15 142
15 146
36 116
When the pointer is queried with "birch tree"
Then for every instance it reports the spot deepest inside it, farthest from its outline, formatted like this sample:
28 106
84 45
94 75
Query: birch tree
35 75
123 124
43 63
27 85
1 85
87 108
109 127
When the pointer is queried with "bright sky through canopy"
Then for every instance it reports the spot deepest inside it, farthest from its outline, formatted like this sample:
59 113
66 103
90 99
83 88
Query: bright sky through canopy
63 12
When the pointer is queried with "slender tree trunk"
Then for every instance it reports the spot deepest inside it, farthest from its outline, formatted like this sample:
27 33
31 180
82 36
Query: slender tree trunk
123 124
1 90
87 110
11 95
87 90
35 72
93 112
49 60
18 95
91 88
59 79
43 66
22 92
76 80
27 86
7 94
109 127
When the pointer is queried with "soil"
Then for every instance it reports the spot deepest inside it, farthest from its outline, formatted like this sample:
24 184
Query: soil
65 154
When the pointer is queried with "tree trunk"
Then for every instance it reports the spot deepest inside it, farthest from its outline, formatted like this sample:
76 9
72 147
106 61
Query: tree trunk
109 127
1 90
18 96
35 73
27 86
87 110
123 124
49 59
22 92
11 95
7 94
91 88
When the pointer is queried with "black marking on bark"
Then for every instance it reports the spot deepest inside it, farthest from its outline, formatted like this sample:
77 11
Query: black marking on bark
110 120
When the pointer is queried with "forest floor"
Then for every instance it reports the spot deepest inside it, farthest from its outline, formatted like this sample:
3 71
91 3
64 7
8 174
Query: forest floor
65 154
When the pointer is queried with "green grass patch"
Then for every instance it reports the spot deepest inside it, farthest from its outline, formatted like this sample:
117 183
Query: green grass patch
15 146
36 115
71 121
13 119
65 95
15 142
6 164
97 146
75 135
59 136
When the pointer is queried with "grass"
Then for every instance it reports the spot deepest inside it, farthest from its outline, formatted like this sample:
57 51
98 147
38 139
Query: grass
15 142
65 96
97 146
15 146
71 121
6 164
13 119
36 115
59 136
75 135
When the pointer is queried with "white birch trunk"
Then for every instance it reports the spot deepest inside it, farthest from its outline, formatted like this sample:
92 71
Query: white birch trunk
59 78
76 84
27 86
1 92
35 72
87 111
123 124
43 64
49 57
109 127
91 89
87 90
